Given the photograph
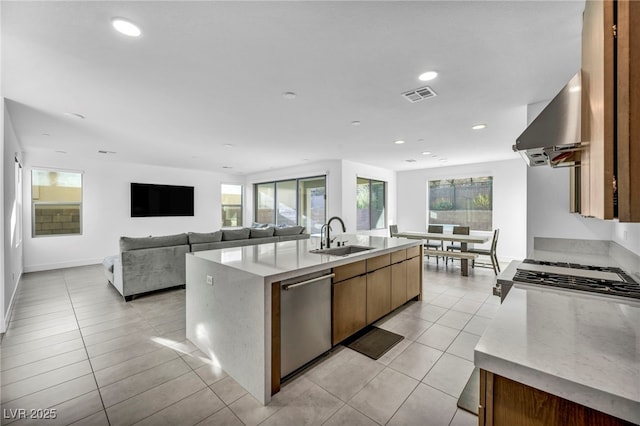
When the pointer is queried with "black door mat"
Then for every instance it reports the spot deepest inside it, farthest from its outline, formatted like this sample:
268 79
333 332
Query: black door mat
375 342
470 396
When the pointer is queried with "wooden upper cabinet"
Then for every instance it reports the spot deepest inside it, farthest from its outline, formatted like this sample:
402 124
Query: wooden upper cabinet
628 117
610 102
597 164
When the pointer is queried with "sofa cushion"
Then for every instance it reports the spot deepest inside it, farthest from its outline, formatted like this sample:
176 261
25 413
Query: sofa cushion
261 233
259 225
209 237
129 243
289 230
235 234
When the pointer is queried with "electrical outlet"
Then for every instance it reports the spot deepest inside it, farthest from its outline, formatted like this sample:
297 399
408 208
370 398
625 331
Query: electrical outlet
209 280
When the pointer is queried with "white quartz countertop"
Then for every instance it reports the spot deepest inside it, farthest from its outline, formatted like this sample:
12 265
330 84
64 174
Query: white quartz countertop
580 347
287 259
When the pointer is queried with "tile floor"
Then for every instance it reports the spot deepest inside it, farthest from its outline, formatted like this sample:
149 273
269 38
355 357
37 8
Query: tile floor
73 345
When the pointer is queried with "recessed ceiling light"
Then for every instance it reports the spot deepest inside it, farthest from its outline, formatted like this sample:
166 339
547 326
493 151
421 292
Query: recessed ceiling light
355 123
228 145
426 152
289 95
61 152
75 115
434 156
411 160
443 160
429 75
227 167
103 151
479 126
126 27
45 134
399 142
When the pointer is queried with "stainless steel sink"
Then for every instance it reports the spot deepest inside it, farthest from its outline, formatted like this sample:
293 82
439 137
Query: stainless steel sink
342 251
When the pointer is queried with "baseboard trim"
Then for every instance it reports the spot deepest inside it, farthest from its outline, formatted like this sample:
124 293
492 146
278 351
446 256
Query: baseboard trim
51 266
7 315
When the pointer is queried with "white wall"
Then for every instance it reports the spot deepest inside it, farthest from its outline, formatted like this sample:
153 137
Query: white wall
548 210
509 200
341 188
12 244
331 168
627 235
106 209
351 171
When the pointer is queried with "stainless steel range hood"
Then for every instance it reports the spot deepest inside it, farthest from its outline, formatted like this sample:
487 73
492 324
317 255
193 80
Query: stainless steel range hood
554 137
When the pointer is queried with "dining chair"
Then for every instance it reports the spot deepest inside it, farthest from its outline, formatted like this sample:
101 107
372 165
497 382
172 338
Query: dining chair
457 230
491 252
436 244
393 230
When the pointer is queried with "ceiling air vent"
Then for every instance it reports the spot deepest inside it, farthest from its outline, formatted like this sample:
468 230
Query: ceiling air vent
420 94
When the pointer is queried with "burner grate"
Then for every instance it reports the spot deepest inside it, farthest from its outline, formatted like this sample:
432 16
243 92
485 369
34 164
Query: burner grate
614 288
623 275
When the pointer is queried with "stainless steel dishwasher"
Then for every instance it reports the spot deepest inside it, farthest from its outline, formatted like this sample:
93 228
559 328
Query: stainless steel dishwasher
305 319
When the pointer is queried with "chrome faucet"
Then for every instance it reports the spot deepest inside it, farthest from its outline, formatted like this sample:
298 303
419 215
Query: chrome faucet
327 234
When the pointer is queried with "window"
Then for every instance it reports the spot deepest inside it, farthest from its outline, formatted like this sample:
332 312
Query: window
462 202
231 196
56 199
370 204
292 202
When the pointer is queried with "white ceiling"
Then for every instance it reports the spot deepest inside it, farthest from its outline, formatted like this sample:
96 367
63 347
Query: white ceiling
206 74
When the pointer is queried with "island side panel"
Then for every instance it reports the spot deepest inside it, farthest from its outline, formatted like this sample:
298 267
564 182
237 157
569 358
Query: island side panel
228 322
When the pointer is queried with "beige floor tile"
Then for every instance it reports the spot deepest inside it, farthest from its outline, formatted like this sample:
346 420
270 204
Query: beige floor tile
438 336
380 399
416 360
42 353
477 325
467 306
251 411
98 419
291 390
157 398
224 417
345 373
210 373
425 406
42 366
348 416
454 319
464 418
133 385
70 411
430 312
407 326
313 407
11 339
463 345
488 310
54 395
123 354
187 411
133 366
449 375
392 353
45 380
228 390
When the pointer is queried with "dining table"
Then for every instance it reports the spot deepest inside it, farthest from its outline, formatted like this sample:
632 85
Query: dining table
474 237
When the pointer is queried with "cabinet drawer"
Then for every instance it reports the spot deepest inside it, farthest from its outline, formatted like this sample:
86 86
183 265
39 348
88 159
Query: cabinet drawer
349 271
398 256
413 251
378 262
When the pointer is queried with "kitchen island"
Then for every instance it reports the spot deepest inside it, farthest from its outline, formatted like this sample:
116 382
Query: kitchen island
233 306
554 356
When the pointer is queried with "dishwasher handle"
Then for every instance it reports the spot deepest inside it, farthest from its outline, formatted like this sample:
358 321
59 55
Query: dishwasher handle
286 287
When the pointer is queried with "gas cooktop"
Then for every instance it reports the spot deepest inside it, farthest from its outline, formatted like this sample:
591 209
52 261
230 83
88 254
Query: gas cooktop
595 279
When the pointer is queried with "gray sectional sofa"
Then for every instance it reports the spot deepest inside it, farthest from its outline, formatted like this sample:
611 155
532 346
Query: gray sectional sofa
154 263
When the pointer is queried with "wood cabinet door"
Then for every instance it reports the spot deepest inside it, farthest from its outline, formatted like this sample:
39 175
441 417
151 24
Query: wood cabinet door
598 122
414 277
349 308
398 284
378 294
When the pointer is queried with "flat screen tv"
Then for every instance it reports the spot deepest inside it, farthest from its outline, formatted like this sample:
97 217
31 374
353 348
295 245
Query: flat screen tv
161 200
